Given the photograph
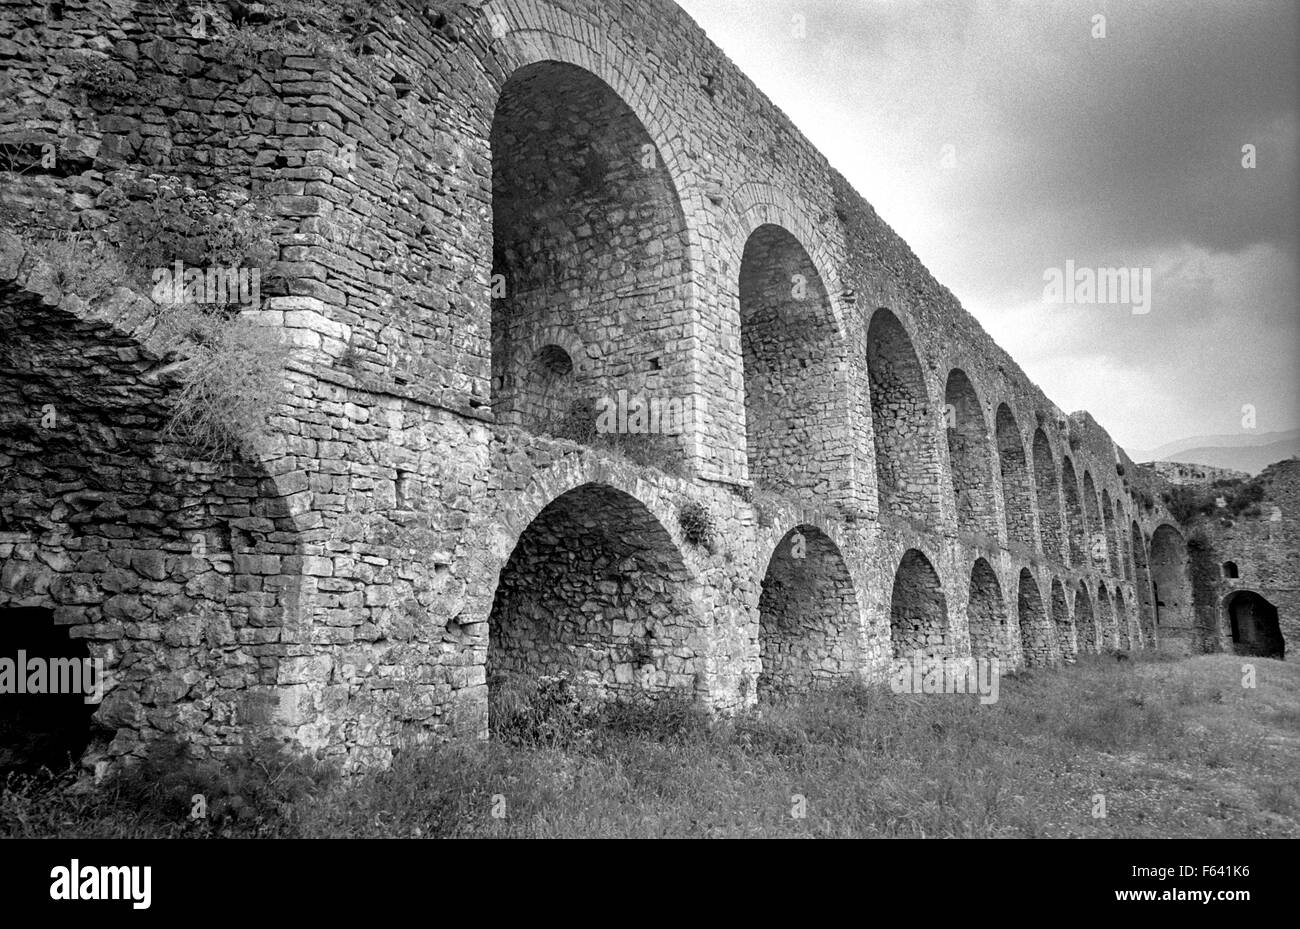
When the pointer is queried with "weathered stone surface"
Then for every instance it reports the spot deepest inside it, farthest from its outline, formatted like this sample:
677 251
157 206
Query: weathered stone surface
836 465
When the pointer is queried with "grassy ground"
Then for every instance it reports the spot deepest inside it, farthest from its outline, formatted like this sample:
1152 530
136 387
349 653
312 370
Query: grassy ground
1174 748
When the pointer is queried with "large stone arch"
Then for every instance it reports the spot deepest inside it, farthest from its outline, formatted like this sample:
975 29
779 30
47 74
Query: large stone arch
532 33
969 458
589 234
794 361
907 464
986 614
596 590
1085 621
1035 626
1017 492
1076 519
1048 485
180 572
1171 585
918 609
810 621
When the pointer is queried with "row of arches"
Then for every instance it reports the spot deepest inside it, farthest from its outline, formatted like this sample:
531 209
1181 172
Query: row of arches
591 247
597 590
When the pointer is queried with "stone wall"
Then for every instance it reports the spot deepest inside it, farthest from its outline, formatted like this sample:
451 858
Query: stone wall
483 215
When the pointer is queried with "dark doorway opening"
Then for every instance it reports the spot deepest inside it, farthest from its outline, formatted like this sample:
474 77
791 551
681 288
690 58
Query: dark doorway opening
41 729
1255 629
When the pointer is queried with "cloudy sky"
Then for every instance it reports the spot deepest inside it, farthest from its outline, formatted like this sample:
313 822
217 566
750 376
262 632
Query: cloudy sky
1001 139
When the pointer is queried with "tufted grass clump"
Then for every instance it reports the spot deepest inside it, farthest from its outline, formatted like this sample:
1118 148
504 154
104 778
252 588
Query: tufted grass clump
231 381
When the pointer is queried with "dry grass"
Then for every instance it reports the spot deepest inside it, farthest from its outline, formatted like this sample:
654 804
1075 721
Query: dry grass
1176 749
231 383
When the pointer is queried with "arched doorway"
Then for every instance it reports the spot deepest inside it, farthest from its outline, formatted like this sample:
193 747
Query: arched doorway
1254 626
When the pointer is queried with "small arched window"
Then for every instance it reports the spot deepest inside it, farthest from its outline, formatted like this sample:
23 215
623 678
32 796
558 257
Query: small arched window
1230 569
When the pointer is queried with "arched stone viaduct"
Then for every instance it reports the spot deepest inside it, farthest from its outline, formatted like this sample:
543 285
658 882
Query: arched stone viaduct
519 209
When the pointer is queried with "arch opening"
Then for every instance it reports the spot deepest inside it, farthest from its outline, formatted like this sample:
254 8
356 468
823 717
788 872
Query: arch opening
1254 626
1112 535
1016 491
157 558
589 240
1048 485
1035 629
918 610
1107 633
907 466
986 614
595 592
1077 527
1085 622
792 360
1098 547
809 621
968 453
49 724
1066 641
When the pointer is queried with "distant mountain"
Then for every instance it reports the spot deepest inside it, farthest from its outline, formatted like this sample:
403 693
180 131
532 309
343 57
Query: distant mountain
1248 451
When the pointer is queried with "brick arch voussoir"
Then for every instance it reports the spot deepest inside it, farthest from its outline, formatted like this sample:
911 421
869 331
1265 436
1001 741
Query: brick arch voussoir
756 204
537 32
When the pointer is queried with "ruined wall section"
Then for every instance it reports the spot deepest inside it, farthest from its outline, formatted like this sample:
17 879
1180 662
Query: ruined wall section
1263 543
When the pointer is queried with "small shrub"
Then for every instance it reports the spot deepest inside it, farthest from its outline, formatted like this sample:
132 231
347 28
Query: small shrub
103 77
165 220
697 524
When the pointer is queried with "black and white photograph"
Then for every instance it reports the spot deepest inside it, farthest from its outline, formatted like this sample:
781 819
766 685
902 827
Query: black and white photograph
633 419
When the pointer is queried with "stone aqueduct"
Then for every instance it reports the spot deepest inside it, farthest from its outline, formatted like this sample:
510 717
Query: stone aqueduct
881 477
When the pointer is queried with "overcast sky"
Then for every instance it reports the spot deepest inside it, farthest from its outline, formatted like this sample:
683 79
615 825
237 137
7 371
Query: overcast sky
1123 151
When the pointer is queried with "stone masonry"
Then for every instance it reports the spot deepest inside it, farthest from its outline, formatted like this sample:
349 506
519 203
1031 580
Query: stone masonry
486 218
